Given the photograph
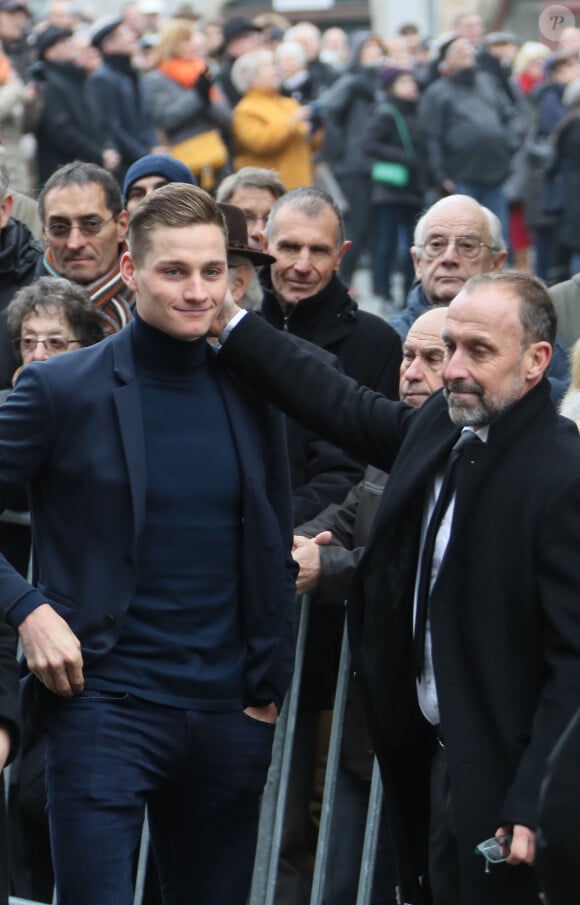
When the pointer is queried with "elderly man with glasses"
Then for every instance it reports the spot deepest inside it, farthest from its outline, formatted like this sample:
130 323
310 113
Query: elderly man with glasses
455 239
84 226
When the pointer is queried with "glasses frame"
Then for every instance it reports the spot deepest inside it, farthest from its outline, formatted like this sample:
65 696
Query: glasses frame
453 240
78 225
18 344
492 850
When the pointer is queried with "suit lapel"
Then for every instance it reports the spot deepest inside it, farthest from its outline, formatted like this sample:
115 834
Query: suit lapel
127 401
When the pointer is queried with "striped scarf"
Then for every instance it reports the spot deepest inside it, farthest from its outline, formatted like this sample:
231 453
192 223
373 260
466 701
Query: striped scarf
109 294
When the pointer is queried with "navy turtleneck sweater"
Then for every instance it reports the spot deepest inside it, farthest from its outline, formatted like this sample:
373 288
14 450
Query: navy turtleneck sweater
181 643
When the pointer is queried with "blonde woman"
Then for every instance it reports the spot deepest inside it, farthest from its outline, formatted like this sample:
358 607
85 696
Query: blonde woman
186 106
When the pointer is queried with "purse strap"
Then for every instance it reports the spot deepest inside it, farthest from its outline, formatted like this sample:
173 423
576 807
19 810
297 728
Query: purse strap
401 127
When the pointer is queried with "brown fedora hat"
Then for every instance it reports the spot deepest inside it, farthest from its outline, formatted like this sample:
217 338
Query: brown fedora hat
238 235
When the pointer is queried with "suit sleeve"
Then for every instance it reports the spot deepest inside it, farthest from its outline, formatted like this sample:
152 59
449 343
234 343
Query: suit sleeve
363 422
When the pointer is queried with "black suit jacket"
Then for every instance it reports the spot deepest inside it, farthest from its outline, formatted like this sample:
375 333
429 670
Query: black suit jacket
505 612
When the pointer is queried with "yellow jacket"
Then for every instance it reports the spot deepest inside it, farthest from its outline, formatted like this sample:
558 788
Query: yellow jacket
266 136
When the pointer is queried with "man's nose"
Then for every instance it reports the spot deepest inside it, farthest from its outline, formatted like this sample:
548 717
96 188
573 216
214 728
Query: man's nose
75 238
194 287
450 253
414 370
303 261
455 366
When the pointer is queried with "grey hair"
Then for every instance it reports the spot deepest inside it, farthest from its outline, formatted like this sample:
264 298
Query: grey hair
302 28
256 177
311 202
294 49
55 294
246 68
536 308
493 225
252 300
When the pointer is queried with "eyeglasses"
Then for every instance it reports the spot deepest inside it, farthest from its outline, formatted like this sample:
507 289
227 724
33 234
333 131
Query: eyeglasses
88 226
465 246
252 219
54 345
494 850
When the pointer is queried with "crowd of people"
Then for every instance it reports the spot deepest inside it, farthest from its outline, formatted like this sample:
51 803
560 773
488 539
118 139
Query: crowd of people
183 206
389 124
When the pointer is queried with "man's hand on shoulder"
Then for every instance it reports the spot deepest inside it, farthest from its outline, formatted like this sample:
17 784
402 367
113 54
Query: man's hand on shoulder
52 651
226 312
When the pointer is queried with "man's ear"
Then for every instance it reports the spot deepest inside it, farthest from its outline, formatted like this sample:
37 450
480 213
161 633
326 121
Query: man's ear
122 225
538 357
6 210
128 272
239 281
345 247
499 259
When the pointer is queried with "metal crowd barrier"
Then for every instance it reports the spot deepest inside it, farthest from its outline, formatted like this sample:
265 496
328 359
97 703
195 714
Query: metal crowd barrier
273 803
263 888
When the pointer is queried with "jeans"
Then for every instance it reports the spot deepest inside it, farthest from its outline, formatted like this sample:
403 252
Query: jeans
201 775
394 229
492 197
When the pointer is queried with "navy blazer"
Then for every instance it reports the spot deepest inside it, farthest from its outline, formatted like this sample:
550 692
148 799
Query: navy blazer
73 430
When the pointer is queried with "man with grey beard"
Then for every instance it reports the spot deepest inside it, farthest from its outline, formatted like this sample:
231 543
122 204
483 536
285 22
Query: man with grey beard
463 615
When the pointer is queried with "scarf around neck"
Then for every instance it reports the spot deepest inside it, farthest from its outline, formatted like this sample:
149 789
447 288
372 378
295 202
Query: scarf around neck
184 72
109 294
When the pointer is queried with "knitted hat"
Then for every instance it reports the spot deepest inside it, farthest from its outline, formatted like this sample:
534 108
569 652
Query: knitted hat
238 235
103 28
157 165
49 37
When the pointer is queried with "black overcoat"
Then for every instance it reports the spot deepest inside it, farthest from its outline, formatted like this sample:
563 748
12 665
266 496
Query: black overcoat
505 609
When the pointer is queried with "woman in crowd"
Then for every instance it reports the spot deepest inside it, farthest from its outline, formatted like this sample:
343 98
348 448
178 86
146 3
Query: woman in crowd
187 107
270 130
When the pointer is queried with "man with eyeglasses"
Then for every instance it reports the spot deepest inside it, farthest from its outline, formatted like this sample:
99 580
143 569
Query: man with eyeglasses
455 239
255 190
84 226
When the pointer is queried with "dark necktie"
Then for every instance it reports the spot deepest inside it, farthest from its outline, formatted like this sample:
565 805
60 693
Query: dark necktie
467 438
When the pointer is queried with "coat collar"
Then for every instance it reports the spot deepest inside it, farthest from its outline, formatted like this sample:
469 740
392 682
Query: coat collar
322 318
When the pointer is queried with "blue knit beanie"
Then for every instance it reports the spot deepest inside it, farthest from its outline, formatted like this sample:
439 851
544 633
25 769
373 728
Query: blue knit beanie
157 165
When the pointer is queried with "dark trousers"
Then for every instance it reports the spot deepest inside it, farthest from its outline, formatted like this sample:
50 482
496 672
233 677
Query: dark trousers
443 850
453 880
357 221
346 845
394 231
200 774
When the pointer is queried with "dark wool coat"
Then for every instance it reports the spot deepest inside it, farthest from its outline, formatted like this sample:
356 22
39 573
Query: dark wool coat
20 253
66 129
505 613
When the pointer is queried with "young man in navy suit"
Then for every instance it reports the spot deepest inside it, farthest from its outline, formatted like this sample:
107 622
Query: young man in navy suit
159 634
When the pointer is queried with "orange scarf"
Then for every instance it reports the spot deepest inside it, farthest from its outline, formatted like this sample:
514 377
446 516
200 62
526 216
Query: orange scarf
5 69
184 72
